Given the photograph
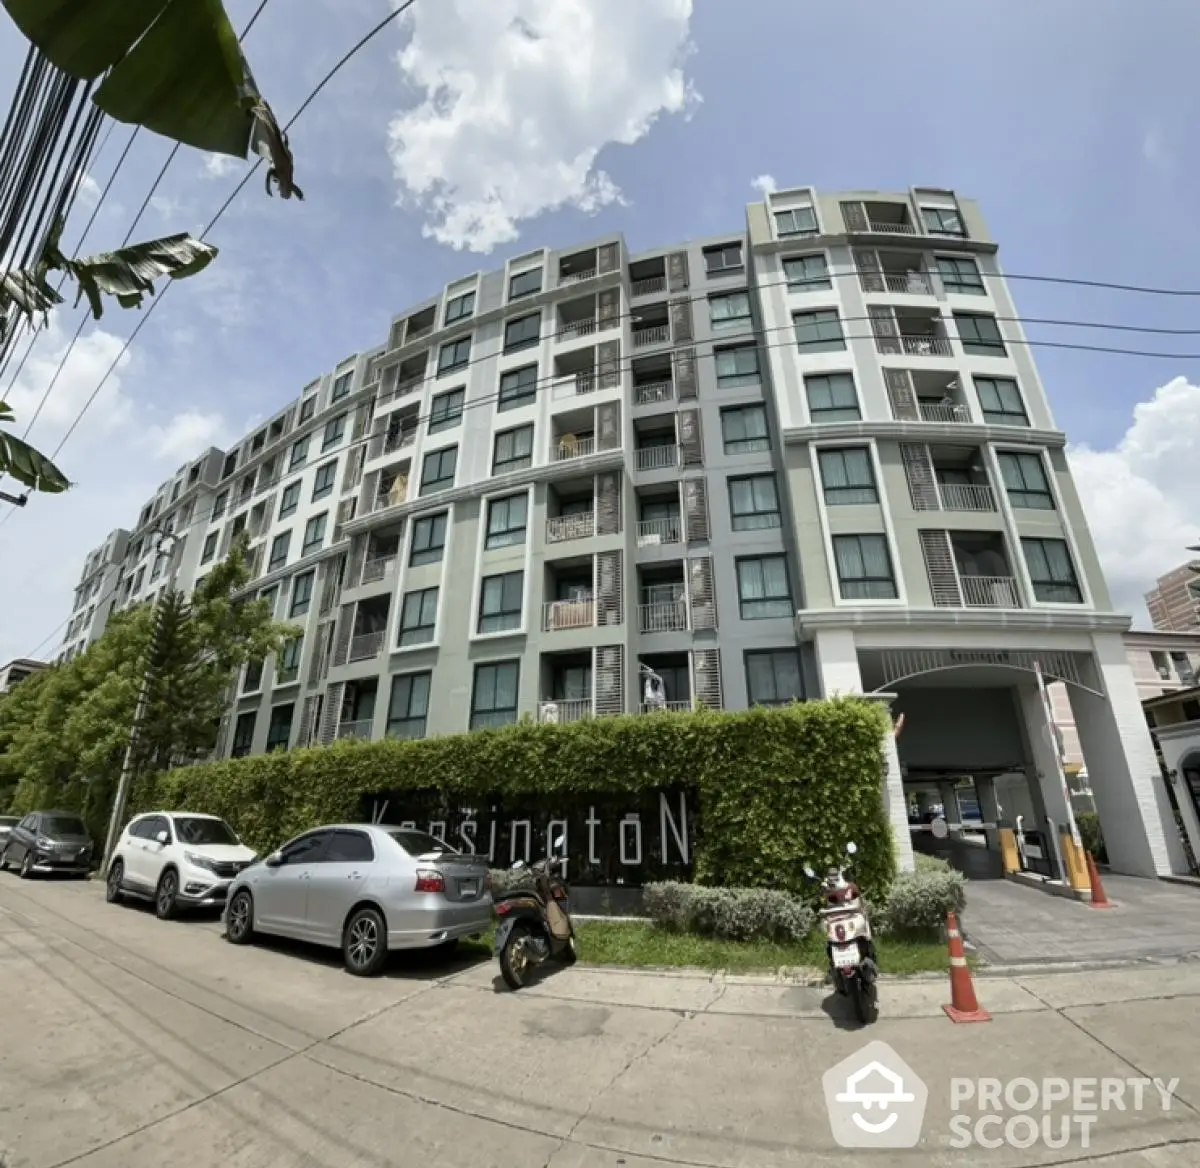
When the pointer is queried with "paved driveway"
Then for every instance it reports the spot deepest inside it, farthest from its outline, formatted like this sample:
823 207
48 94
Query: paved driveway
1012 924
127 1042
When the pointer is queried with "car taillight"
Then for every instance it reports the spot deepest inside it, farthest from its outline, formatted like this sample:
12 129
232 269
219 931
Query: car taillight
503 908
429 881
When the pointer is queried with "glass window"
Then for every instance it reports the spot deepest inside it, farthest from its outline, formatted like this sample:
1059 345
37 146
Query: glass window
525 284
832 397
279 551
725 258
744 429
736 366
289 500
1000 401
446 410
763 588
819 331
418 617
807 273
341 387
460 308
979 334
243 735
522 332
943 221
349 847
308 407
252 681
210 547
428 539
774 677
409 705
730 311
314 533
507 520
753 503
494 694
513 450
454 355
437 472
1051 571
219 505
324 480
847 476
518 387
335 430
500 602
864 567
279 732
302 590
961 275
1025 480
288 665
796 221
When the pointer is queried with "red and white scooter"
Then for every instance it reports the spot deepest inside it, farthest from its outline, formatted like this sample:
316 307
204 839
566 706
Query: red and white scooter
853 963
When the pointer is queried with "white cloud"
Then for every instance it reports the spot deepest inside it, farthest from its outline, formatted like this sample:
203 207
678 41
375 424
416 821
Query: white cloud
219 166
764 183
1140 496
186 435
87 191
165 206
520 96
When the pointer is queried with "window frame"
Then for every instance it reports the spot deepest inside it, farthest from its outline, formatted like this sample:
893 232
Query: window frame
288 506
995 384
322 490
431 486
756 444
498 537
271 727
456 361
784 605
450 316
796 232
313 543
1074 583
731 323
308 409
504 610
405 631
772 654
867 580
274 559
838 496
830 381
736 379
939 215
818 319
957 285
734 515
976 347
808 283
527 342
524 393
310 577
247 718
526 460
210 546
1022 497
720 250
444 413
335 431
482 717
341 387
412 680
431 553
515 293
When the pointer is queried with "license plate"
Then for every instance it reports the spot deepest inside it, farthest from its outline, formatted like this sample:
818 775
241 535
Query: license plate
468 887
845 956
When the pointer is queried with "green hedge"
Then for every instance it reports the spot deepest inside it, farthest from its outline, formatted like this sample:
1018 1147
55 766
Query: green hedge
777 787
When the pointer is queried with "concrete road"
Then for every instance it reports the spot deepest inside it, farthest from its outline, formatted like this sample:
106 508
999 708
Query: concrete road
135 1043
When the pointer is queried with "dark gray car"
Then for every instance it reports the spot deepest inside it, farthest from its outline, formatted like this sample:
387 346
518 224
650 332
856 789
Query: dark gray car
46 842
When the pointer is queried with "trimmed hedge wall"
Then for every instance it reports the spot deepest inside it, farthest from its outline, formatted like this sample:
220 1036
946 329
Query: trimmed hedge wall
777 787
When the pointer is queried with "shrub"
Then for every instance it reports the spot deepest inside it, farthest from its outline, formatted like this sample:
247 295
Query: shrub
510 879
776 787
731 914
917 902
1091 836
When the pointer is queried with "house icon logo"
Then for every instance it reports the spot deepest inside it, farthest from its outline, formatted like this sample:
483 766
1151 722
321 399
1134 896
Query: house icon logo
875 1100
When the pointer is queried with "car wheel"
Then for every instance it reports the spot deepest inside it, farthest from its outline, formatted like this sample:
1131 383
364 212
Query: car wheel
364 943
112 886
239 918
165 894
27 866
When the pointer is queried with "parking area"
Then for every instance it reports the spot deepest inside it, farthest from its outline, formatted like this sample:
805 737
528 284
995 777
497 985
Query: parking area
133 1042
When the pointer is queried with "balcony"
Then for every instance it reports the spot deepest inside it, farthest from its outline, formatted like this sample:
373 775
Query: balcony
575 269
898 272
572 330
969 569
655 532
926 395
573 446
397 438
573 385
576 613
364 646
653 334
360 729
663 616
674 691
955 496
648 286
564 710
924 345
877 218
662 599
391 489
416 327
650 393
989 591
931 411
657 457
648 277
577 525
378 568
664 707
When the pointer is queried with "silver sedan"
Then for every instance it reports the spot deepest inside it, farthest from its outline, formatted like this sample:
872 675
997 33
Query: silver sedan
364 889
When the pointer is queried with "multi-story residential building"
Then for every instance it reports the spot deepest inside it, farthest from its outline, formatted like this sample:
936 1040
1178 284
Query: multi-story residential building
1174 601
94 594
808 457
17 671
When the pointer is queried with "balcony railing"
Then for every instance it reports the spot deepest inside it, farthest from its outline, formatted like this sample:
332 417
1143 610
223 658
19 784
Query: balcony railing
989 592
399 440
576 448
576 328
658 457
664 707
651 532
936 412
926 346
564 709
910 283
577 277
389 498
874 226
560 528
648 286
415 334
574 384
664 616
377 568
966 497
360 729
568 614
365 646
653 391
658 334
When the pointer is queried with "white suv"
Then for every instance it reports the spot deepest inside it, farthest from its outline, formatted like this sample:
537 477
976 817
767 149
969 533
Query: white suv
177 860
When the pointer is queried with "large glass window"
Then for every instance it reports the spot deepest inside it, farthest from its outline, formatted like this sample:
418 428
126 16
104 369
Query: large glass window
832 397
518 387
1000 401
744 429
418 617
847 476
507 520
864 567
753 503
500 602
1051 572
408 708
438 470
494 694
807 273
819 331
428 539
1025 480
774 677
513 450
763 588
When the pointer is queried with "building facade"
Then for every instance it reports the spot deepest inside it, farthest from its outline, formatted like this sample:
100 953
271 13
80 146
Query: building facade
812 456
1174 601
17 671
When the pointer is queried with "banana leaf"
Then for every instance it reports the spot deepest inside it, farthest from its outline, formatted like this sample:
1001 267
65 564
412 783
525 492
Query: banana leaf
27 292
26 465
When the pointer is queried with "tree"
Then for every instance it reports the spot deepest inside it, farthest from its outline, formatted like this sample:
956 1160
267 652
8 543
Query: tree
63 740
24 463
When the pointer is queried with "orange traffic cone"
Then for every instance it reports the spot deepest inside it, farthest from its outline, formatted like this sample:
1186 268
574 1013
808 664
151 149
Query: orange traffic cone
1099 900
964 1006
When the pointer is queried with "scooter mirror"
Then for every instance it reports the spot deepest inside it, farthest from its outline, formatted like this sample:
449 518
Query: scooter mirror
558 842
519 864
851 848
809 872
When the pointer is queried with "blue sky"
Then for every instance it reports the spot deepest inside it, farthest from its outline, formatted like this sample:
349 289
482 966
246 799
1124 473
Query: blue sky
1071 122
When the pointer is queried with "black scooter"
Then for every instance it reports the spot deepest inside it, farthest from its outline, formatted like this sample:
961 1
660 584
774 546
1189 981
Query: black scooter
535 925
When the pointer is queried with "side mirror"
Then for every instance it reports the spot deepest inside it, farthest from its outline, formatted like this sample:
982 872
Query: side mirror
273 860
162 837
851 848
518 865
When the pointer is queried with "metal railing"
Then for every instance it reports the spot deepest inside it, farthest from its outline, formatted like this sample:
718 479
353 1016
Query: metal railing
576 277
658 531
576 328
564 709
664 616
579 448
658 334
568 614
912 283
560 528
399 440
361 729
890 228
925 346
989 591
657 457
936 412
648 286
365 646
966 497
654 391
663 707
377 568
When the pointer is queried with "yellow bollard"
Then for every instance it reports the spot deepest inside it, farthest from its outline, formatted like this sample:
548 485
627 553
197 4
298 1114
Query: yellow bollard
1076 865
1008 850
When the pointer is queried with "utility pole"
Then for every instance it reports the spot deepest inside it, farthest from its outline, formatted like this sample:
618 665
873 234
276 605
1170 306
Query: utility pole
126 780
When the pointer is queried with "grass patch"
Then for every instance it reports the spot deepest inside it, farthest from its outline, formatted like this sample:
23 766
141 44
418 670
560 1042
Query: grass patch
637 945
